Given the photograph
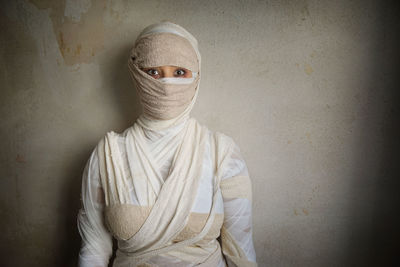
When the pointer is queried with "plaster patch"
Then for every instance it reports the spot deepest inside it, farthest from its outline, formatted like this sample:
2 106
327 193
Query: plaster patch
79 42
79 30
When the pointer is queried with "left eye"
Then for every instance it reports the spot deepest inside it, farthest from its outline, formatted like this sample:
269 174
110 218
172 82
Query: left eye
180 72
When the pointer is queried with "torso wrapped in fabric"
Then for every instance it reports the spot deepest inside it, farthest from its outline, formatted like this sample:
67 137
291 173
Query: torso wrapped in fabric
160 218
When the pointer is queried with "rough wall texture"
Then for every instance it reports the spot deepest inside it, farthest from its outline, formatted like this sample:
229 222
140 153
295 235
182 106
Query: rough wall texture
306 88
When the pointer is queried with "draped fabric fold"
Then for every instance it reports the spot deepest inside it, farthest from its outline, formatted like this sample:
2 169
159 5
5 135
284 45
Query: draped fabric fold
175 196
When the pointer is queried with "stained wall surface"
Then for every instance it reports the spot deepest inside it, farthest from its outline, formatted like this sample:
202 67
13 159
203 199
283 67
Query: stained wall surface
306 88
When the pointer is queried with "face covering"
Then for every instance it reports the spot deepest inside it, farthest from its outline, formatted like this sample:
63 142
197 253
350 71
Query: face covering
165 98
178 80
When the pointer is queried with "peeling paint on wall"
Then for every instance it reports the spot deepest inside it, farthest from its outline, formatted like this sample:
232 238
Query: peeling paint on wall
78 27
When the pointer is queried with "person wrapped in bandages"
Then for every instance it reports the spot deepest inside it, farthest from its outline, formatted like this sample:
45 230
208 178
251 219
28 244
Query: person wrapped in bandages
170 191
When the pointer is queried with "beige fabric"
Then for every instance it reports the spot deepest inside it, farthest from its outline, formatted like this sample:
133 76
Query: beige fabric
233 252
236 187
196 223
125 220
170 27
145 120
213 259
160 49
208 255
162 100
113 179
170 211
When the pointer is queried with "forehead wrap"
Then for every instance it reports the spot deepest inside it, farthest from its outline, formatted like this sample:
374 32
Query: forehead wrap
162 49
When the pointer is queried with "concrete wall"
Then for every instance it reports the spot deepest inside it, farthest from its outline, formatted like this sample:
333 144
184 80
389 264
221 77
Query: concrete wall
306 88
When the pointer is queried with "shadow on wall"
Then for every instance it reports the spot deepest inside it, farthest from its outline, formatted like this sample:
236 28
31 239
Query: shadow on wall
375 233
120 86
123 92
69 241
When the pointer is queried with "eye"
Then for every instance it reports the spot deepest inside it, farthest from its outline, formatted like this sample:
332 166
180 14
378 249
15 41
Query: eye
152 72
180 72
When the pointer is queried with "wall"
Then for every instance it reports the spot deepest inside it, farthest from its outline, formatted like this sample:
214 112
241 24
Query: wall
306 88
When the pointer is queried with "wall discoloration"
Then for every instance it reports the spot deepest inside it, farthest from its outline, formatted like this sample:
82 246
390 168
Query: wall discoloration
308 69
20 159
80 36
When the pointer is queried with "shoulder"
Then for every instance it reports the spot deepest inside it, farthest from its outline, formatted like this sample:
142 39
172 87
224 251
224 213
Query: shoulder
225 151
112 136
220 139
224 139
224 144
120 136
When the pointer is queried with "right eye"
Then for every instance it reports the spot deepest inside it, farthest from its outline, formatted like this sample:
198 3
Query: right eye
152 72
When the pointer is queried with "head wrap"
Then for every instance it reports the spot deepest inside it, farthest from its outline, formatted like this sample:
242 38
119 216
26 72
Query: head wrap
165 104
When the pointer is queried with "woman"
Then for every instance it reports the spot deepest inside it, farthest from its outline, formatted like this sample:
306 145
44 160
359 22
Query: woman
169 190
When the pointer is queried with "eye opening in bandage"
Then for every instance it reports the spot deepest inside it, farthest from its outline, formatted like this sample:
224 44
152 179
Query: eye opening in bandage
169 80
169 72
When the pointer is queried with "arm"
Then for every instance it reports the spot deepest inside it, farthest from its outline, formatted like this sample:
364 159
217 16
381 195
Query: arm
96 248
236 233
